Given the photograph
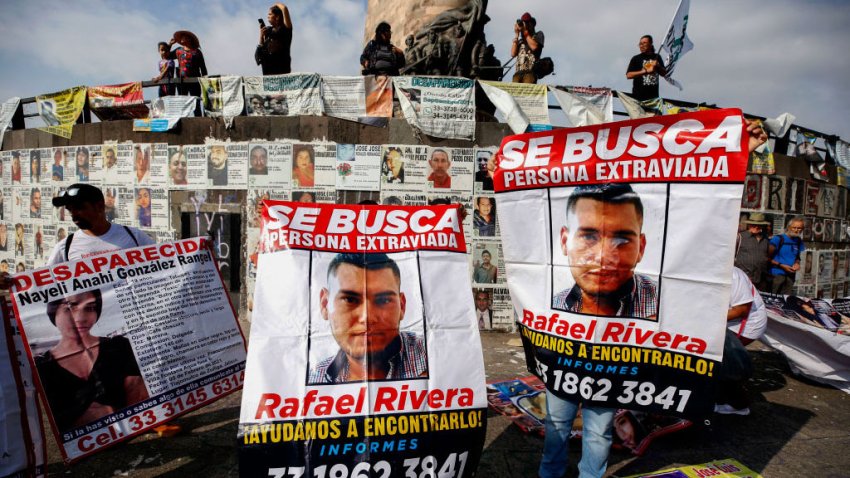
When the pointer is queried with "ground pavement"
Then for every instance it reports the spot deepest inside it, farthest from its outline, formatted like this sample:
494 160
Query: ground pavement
797 429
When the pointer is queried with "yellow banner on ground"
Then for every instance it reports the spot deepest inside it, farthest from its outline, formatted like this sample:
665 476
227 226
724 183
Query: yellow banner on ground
60 110
727 468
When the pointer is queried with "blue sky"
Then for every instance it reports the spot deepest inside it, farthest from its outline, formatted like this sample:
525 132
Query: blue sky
764 57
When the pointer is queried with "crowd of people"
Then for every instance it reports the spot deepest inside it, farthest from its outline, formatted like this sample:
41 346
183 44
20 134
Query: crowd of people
381 57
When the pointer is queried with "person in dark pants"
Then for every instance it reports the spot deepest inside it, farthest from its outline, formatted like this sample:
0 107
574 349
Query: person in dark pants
272 52
380 57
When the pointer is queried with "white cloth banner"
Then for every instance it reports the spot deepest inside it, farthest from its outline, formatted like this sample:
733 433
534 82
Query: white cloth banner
222 97
294 94
585 106
7 111
521 104
597 242
676 43
443 107
633 107
365 340
780 125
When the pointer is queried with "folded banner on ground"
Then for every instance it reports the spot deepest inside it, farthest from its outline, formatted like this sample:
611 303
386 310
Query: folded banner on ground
153 329
295 94
364 357
60 110
23 446
438 106
522 104
727 468
222 97
118 102
599 226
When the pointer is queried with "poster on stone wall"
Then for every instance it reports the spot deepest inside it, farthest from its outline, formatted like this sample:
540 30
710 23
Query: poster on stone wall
367 99
795 191
438 106
805 275
358 167
270 165
752 197
825 267
828 201
818 228
404 168
812 196
774 190
485 169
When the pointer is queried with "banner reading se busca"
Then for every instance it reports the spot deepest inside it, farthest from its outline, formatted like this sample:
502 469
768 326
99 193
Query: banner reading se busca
364 358
126 340
618 242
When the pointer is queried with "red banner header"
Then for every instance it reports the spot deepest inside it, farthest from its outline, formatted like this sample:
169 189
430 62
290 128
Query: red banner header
706 146
356 228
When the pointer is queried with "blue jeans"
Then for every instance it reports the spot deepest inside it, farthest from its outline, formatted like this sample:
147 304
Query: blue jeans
595 441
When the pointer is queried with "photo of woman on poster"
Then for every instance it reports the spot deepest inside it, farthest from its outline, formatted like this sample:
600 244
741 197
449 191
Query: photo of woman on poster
304 166
82 163
16 167
86 377
143 206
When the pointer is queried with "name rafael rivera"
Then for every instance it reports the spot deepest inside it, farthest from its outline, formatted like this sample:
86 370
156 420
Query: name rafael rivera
389 398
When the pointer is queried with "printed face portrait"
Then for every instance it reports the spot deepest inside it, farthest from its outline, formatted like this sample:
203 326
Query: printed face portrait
482 300
303 196
4 234
177 167
16 167
143 198
83 157
218 157
35 202
484 206
604 242
259 160
278 107
303 160
601 264
257 107
111 160
4 266
439 163
364 307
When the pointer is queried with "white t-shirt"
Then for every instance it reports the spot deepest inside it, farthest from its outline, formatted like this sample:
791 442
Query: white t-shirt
85 245
743 292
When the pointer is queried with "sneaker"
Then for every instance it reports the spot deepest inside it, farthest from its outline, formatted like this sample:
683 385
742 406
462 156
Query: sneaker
726 409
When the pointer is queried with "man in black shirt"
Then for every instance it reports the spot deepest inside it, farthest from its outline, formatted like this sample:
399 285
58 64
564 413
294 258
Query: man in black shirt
644 69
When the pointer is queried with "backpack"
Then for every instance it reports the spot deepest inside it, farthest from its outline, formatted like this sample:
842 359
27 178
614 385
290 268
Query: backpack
543 67
797 241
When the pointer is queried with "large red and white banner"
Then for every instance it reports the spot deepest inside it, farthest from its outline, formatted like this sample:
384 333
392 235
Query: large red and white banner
618 241
124 341
364 357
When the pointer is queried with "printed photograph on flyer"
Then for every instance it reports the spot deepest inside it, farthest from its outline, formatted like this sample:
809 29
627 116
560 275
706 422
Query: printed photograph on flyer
608 248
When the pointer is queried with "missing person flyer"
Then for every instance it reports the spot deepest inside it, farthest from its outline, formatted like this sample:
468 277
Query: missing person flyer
123 341
364 357
618 242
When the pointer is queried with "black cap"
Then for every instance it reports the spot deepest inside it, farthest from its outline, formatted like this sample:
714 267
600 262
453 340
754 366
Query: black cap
78 194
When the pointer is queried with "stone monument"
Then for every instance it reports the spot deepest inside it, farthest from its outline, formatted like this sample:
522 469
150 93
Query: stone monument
439 37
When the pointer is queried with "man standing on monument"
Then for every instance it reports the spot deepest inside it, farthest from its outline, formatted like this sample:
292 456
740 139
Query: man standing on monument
526 48
784 252
380 57
644 69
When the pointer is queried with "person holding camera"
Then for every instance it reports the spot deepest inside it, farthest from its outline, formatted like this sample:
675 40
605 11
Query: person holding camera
526 48
380 57
272 52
